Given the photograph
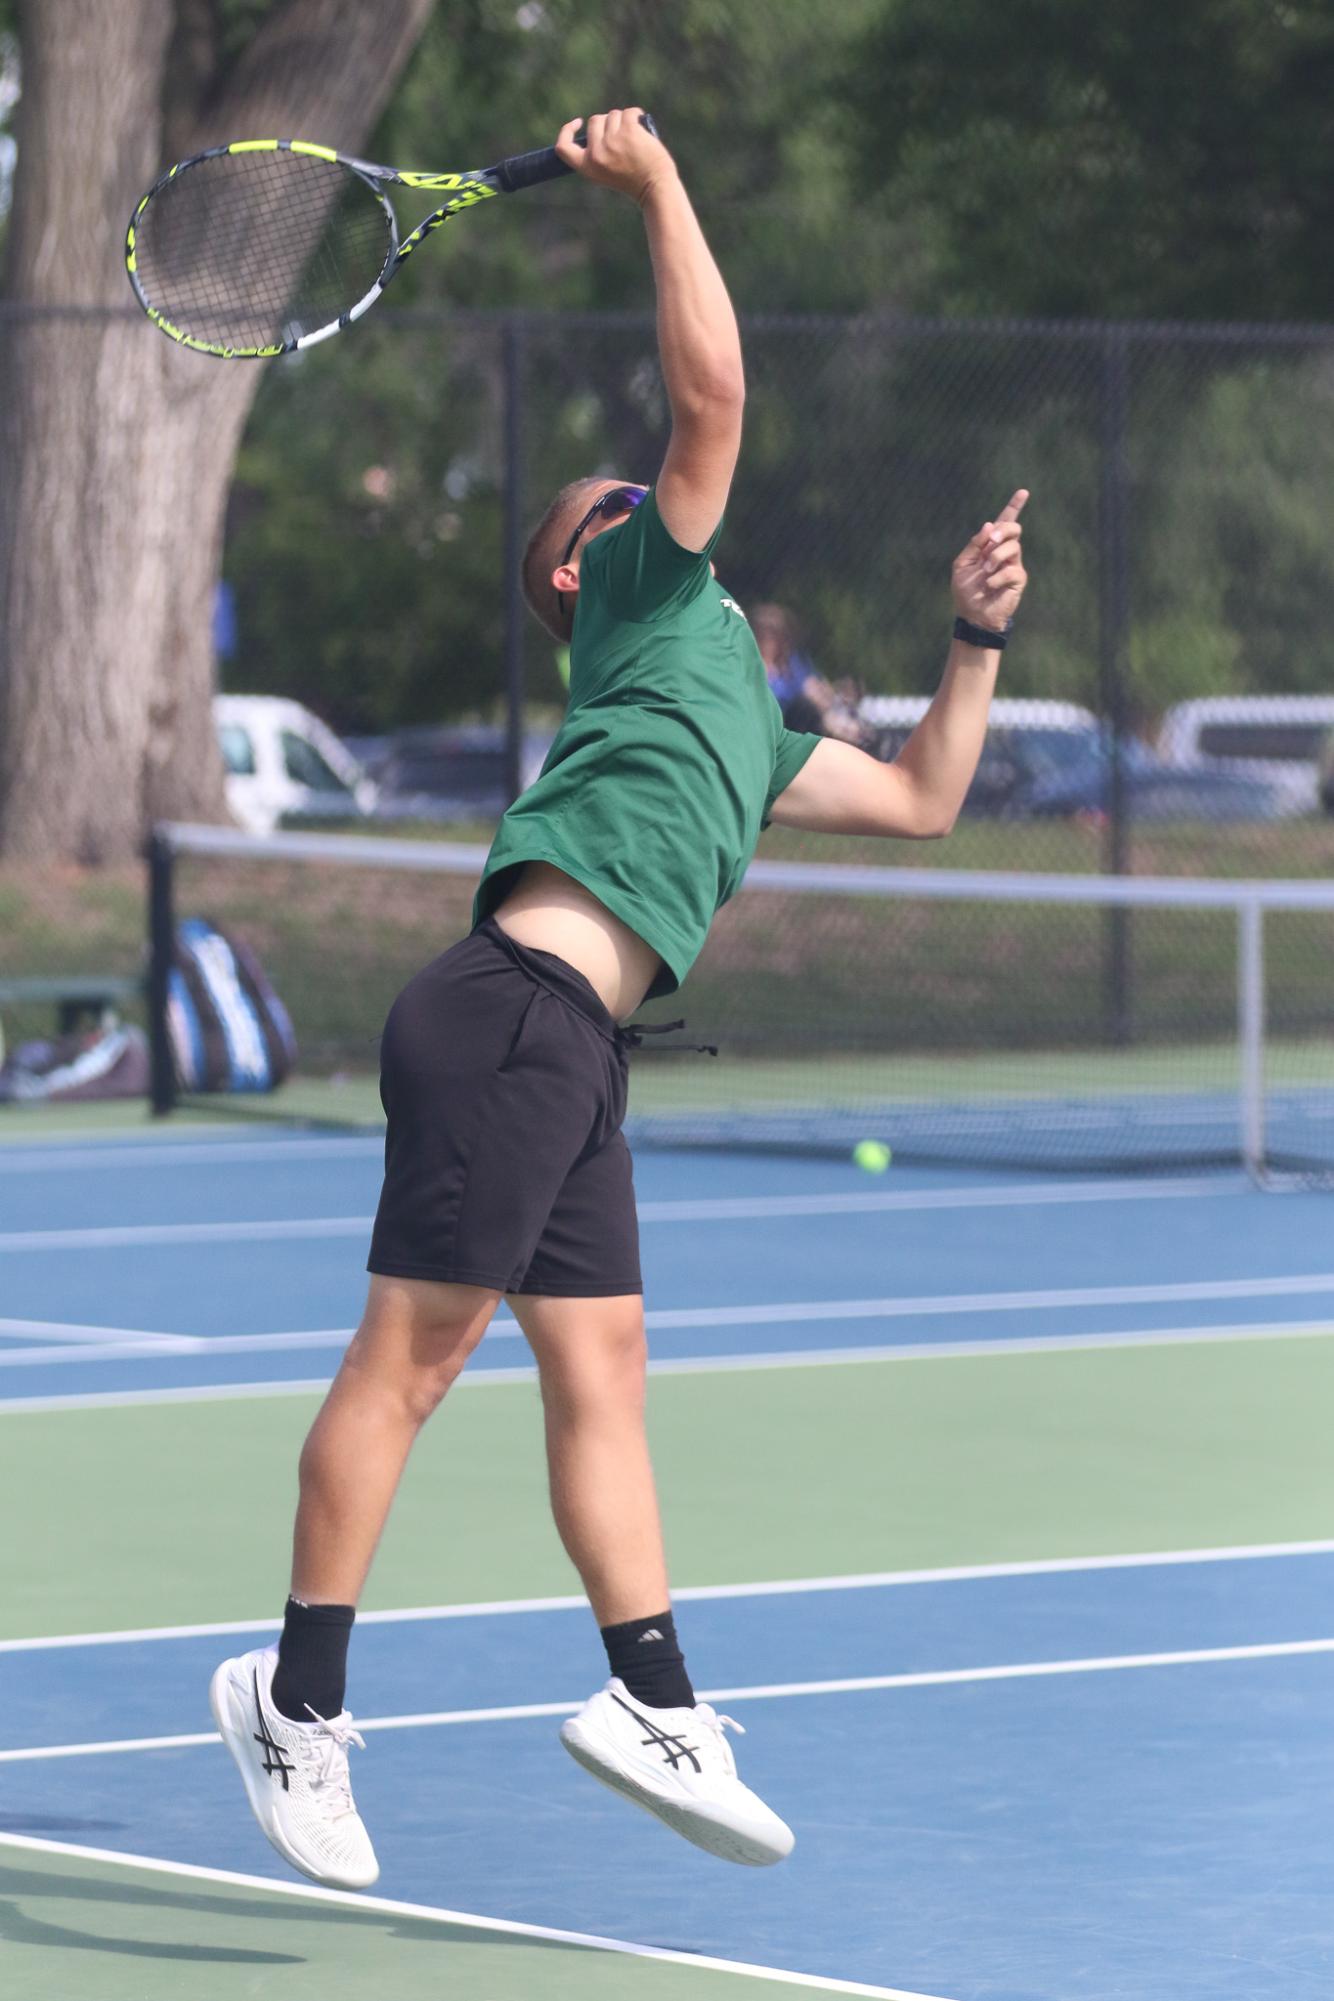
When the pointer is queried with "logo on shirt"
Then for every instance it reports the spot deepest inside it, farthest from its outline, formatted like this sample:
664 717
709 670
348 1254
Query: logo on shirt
730 604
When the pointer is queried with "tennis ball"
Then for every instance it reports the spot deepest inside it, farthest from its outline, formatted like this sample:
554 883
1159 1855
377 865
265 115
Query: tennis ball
872 1155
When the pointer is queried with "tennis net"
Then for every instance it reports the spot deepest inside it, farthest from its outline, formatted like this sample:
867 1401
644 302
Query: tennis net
1044 1022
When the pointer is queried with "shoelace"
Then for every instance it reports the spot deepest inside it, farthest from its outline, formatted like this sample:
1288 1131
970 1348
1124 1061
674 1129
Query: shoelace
718 1726
329 1745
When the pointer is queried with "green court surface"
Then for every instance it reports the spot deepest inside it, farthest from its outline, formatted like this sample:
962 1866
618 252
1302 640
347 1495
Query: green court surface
150 1936
171 1513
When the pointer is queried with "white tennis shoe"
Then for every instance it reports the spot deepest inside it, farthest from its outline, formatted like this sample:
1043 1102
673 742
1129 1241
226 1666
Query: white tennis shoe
677 1764
295 1774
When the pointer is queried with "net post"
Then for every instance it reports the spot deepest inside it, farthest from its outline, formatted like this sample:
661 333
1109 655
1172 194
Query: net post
1251 1033
161 938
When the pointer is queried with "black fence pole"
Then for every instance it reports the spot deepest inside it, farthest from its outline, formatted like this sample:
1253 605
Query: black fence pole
161 938
512 346
1113 647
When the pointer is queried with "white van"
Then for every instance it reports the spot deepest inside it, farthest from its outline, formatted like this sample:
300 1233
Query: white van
282 761
1279 738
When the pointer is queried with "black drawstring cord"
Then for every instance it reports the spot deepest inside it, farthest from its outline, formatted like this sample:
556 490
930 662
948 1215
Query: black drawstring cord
632 1036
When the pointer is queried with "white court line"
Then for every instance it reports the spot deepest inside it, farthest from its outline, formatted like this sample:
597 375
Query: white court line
504 1927
966 1351
684 1365
1041 1194
991 1302
80 1336
911 1305
142 1235
125 1344
760 1692
862 1580
726 1209
153 1152
219 1393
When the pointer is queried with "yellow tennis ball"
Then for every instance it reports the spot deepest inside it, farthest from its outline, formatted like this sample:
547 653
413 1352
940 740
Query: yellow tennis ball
872 1155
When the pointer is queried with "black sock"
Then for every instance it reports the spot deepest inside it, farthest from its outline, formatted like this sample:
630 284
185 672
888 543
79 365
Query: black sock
312 1660
645 1655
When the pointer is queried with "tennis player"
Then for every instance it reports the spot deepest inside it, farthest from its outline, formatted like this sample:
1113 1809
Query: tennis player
504 1073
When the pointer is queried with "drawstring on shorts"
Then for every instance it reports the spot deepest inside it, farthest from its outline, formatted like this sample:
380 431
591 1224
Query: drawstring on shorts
632 1037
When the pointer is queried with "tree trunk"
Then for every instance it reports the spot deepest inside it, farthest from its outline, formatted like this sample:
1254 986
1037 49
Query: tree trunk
118 446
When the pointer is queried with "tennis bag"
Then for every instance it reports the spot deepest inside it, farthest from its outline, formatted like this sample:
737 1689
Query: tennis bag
227 1027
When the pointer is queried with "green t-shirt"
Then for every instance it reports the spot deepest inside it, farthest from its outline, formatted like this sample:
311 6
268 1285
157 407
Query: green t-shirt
671 754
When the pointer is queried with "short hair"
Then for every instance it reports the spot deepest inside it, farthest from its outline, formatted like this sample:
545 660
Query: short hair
545 547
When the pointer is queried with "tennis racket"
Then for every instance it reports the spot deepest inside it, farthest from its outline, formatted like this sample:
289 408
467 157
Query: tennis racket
269 245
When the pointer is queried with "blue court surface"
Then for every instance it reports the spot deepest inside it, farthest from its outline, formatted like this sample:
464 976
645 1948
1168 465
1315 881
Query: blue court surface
1103 1775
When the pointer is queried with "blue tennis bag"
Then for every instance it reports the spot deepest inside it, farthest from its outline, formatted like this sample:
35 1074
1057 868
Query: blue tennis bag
228 1029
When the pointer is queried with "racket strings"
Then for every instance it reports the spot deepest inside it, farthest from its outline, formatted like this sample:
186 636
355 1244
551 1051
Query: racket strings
251 249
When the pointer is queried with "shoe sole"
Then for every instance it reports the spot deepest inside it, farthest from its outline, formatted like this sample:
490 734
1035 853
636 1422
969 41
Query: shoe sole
714 1836
235 1735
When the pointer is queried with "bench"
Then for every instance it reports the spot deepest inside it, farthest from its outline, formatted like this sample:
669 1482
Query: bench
72 995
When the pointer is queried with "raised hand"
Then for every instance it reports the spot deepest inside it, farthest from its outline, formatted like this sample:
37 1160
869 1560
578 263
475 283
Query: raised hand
988 577
620 152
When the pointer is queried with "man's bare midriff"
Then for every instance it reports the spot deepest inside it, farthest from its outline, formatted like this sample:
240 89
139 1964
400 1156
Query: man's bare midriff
551 912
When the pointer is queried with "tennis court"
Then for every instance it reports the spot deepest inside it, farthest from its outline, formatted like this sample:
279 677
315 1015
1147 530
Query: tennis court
1000 1511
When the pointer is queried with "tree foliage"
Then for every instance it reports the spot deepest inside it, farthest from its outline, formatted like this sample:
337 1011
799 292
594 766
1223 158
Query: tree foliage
856 162
1141 159
411 625
869 451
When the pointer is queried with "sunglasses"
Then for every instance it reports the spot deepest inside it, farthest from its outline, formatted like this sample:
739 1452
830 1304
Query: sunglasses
619 500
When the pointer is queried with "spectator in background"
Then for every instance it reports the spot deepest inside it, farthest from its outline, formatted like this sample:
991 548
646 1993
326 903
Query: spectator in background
808 701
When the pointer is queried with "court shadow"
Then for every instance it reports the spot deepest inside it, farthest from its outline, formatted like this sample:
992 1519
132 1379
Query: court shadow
19 1926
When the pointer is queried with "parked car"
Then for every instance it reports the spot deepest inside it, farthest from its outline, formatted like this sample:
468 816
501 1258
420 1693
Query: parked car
283 763
1026 739
448 772
1277 738
1052 759
1151 788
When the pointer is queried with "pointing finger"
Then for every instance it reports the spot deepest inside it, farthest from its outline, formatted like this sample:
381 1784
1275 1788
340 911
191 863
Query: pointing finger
1014 506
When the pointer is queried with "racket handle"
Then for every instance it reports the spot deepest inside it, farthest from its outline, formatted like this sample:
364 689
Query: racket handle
526 170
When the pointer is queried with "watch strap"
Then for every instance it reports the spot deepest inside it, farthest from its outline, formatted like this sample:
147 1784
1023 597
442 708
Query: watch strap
978 635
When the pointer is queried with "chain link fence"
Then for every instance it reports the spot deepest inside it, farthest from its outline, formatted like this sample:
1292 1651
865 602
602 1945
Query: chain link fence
1176 538
1167 705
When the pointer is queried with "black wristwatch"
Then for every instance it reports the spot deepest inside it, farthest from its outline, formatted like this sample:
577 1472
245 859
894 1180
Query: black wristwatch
977 635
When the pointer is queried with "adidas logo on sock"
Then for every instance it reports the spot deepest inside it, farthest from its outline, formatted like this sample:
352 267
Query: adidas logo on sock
651 1634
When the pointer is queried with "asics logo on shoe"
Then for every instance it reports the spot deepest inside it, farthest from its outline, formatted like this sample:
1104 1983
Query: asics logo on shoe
674 1749
274 1761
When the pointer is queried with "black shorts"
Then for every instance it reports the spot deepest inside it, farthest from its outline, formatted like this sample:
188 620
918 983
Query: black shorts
503 1078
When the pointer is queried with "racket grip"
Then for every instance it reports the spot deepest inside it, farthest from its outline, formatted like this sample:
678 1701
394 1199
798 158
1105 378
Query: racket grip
526 170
